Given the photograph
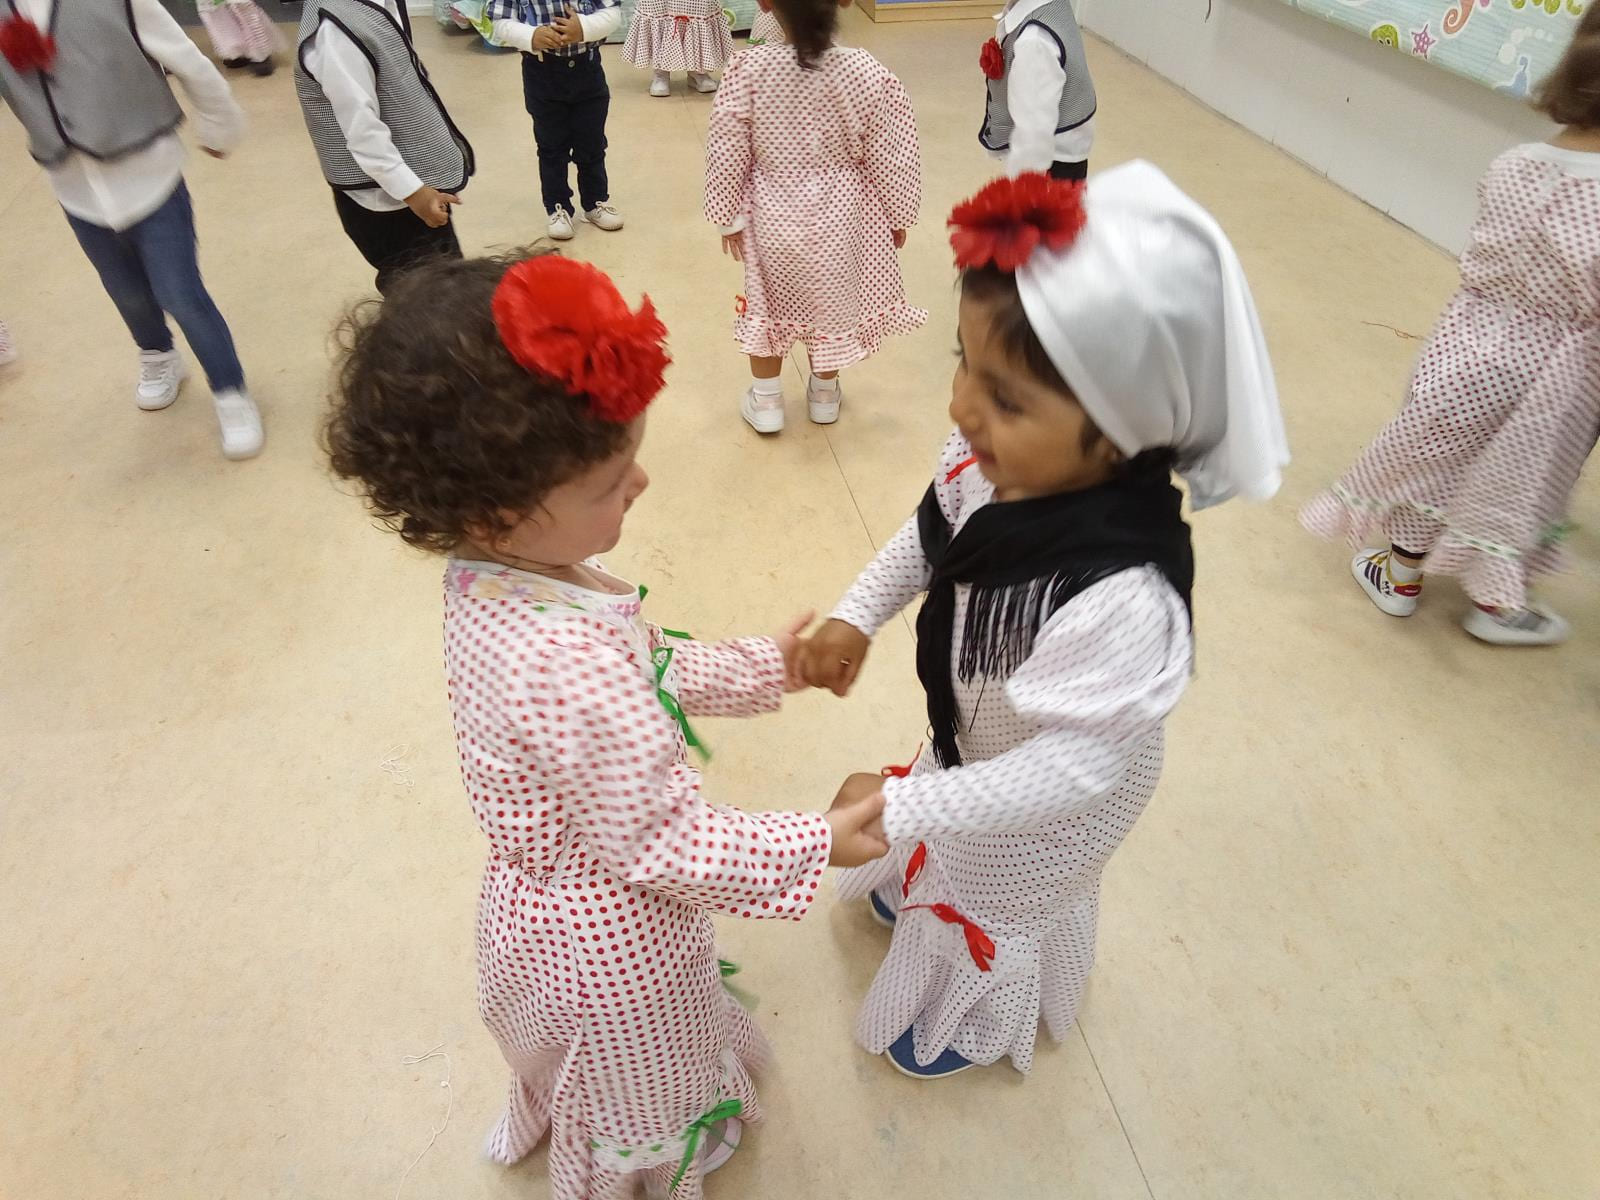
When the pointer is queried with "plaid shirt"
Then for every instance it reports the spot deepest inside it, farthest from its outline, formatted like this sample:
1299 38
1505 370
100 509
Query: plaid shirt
544 12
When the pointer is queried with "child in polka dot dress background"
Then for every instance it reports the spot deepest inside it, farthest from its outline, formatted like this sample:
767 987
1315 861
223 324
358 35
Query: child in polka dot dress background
1474 476
679 35
814 175
493 411
1098 352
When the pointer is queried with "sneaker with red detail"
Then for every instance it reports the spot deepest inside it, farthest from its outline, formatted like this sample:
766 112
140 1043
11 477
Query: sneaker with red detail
1374 571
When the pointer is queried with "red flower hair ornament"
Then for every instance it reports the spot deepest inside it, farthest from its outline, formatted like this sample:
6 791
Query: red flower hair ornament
565 319
992 59
25 46
1009 219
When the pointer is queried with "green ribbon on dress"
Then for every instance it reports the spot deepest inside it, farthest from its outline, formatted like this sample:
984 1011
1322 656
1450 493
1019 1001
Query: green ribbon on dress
663 660
725 1111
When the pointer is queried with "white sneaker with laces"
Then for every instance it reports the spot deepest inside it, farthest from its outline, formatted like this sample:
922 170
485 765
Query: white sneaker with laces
242 436
764 414
1531 626
702 83
603 216
661 85
161 376
560 228
822 404
1371 569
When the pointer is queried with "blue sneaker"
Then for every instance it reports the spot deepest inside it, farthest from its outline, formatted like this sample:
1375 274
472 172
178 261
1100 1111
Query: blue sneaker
903 1056
882 913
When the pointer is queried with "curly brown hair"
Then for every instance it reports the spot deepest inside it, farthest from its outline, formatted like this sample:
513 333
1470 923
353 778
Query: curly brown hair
1570 94
437 424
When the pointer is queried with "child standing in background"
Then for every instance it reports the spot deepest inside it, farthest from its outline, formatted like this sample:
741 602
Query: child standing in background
679 35
814 175
1039 111
766 30
564 88
1474 476
494 413
241 34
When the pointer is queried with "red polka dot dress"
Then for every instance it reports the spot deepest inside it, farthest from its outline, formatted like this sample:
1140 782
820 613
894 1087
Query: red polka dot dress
679 35
996 863
817 168
597 966
1477 469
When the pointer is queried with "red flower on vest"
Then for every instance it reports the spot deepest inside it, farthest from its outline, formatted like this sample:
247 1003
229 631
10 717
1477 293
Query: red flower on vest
1008 219
566 320
25 46
992 59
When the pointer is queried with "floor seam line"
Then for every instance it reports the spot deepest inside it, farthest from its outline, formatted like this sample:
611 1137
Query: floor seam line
1117 1112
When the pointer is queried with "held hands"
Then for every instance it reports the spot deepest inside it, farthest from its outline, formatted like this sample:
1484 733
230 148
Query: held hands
856 819
831 658
569 28
432 206
791 647
546 38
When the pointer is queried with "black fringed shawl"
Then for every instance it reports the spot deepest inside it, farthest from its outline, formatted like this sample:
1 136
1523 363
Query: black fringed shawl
1025 559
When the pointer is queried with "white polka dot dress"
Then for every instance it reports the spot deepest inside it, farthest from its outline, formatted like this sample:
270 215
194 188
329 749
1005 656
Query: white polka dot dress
679 35
818 168
597 967
765 30
1477 469
996 864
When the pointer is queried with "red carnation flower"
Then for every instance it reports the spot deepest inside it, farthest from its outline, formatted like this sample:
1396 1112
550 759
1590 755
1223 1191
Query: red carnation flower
992 59
1010 218
25 46
565 319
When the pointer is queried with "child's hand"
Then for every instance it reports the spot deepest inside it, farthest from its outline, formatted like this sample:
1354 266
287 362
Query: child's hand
733 245
899 236
546 38
832 657
568 28
857 787
857 830
791 647
432 206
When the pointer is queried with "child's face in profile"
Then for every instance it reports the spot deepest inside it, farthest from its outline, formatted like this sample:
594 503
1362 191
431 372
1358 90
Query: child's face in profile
582 517
1030 437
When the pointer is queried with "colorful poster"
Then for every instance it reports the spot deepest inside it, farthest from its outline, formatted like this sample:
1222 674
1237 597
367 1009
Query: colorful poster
1508 45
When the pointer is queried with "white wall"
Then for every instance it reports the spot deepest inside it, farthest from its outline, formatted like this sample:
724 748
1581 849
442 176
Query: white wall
1404 136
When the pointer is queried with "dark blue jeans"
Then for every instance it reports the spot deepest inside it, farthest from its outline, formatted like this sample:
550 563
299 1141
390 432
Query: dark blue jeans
151 269
568 99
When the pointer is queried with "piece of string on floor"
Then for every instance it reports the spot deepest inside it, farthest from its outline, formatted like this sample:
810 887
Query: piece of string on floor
395 766
414 1060
1399 333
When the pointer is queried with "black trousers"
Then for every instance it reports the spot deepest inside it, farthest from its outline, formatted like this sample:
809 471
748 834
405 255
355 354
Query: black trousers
1070 170
568 99
393 241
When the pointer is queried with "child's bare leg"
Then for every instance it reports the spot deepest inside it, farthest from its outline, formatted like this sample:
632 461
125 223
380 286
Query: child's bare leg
765 368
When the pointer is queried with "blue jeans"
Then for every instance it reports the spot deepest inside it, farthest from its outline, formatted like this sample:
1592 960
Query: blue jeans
151 269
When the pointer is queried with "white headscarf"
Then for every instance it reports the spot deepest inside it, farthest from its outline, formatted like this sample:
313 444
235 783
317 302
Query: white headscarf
1149 319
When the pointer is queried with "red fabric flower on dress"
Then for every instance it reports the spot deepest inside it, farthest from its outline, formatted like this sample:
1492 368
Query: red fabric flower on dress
1010 218
25 46
566 319
992 59
740 305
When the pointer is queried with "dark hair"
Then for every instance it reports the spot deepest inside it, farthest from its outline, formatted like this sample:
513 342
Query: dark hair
1570 94
809 25
1008 323
435 421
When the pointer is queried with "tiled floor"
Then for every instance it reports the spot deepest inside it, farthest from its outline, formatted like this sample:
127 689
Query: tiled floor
1350 952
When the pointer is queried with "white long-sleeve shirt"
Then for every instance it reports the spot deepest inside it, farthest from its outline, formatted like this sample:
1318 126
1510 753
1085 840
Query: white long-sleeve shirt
124 192
345 72
1034 83
597 27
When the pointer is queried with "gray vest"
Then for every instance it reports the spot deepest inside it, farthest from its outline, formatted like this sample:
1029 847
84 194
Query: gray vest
423 133
1077 98
103 96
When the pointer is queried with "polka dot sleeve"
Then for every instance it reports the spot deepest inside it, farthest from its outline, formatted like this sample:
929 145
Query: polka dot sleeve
894 161
729 148
608 744
740 678
1104 673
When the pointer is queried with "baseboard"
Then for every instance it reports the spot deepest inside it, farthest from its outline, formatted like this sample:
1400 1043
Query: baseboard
928 10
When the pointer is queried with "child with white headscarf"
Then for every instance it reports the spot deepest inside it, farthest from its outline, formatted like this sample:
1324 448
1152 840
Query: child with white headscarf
1107 338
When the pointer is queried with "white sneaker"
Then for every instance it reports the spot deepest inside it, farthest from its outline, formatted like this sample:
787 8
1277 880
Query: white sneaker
1531 626
764 414
161 376
822 404
242 436
702 83
661 85
560 227
1371 569
719 1143
603 216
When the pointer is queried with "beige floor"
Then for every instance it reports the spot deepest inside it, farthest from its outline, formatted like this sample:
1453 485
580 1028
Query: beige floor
1350 952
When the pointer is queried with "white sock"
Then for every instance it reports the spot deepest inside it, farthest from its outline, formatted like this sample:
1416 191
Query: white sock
819 384
768 387
1402 573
